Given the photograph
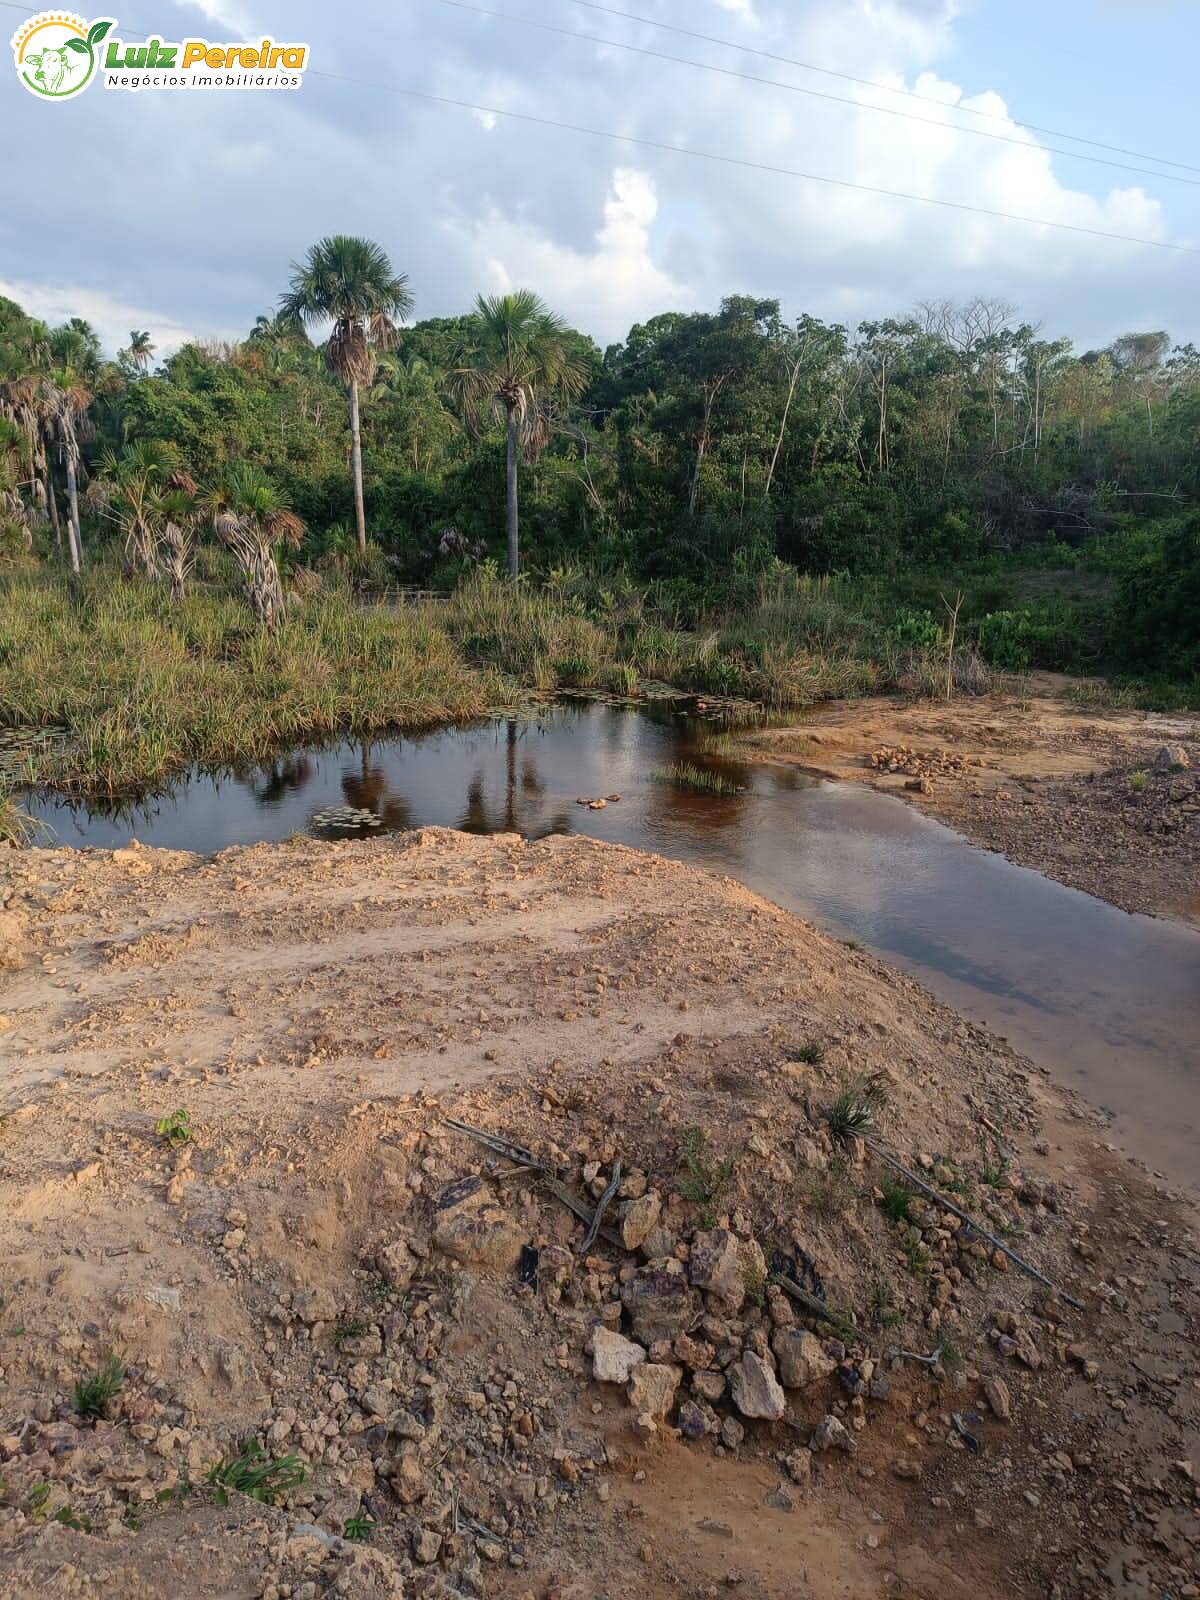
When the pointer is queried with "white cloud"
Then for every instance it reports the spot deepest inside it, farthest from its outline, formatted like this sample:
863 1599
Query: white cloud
604 289
229 17
111 317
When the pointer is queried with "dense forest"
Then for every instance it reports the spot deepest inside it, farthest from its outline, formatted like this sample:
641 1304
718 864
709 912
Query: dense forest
955 447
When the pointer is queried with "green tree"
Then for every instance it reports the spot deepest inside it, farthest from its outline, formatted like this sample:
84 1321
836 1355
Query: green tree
521 360
250 517
350 282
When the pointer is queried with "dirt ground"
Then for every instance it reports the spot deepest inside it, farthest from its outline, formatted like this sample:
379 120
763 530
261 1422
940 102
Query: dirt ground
1078 793
325 1268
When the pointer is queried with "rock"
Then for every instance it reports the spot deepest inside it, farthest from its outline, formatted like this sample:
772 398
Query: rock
995 1392
640 1217
158 1295
906 1467
694 1420
397 1265
613 1356
798 1466
755 1389
12 934
709 1385
732 1433
652 1388
830 1434
1171 757
659 1242
660 1304
472 1228
800 1358
408 1477
715 1265
426 1546
315 1305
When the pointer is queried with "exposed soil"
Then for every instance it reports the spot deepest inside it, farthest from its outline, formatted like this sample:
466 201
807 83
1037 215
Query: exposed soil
327 1268
1078 793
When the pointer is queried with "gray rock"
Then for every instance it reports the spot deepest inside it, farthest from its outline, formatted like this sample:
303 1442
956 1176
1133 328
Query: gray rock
639 1219
755 1389
660 1305
397 1265
613 1356
472 1228
696 1420
995 1392
652 1387
800 1357
830 1434
715 1265
732 1433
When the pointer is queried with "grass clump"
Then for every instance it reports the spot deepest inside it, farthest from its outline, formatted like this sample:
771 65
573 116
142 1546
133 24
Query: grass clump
811 1052
176 1128
685 775
855 1110
347 1328
94 1391
831 1192
359 1527
884 1311
705 1181
255 1474
1137 781
897 1197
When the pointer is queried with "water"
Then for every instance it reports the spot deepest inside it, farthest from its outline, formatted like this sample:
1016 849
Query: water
1108 1001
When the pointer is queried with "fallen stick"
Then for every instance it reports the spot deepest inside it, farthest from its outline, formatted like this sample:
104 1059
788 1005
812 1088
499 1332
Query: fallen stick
948 1205
583 1212
502 1147
589 1237
802 1297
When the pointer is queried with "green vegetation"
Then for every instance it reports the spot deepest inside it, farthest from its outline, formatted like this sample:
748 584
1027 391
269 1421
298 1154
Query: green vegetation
686 775
897 1197
94 1391
255 1474
176 1128
829 1192
359 1527
739 505
857 1106
347 1328
705 1181
811 1052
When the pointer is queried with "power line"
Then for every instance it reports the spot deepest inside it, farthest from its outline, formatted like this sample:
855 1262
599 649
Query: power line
724 160
885 88
817 94
753 166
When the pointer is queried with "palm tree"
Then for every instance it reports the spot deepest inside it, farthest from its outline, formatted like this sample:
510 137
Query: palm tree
250 517
173 514
350 282
141 348
519 359
124 490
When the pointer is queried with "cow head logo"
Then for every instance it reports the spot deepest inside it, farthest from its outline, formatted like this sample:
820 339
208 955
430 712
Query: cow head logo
56 53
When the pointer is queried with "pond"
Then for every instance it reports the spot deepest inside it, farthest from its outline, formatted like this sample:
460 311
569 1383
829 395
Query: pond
1109 1002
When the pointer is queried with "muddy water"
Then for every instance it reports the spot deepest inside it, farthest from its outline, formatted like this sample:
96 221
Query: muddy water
1109 1002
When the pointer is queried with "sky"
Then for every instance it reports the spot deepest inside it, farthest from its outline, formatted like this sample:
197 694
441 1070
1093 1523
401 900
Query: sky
180 212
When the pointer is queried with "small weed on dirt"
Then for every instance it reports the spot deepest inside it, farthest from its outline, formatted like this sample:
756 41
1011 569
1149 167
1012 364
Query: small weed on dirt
93 1393
705 1179
359 1527
897 1197
811 1052
255 1474
175 1129
858 1105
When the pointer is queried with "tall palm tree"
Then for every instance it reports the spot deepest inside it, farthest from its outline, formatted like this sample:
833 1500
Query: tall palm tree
350 282
250 517
141 348
124 489
519 359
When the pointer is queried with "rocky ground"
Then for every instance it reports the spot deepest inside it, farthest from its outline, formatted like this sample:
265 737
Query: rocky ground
1105 800
272 1327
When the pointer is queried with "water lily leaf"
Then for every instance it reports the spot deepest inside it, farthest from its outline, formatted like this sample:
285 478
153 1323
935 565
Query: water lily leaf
77 44
97 31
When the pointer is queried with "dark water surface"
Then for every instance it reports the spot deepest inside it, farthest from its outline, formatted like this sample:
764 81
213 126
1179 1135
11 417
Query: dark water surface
1108 1001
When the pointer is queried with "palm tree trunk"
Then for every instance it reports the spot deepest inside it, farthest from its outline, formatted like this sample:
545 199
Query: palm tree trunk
360 516
510 504
74 540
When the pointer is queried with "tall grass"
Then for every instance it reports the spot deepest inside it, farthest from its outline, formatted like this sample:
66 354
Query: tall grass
146 686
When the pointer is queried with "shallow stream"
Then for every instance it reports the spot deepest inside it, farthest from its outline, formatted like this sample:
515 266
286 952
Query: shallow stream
1109 1002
